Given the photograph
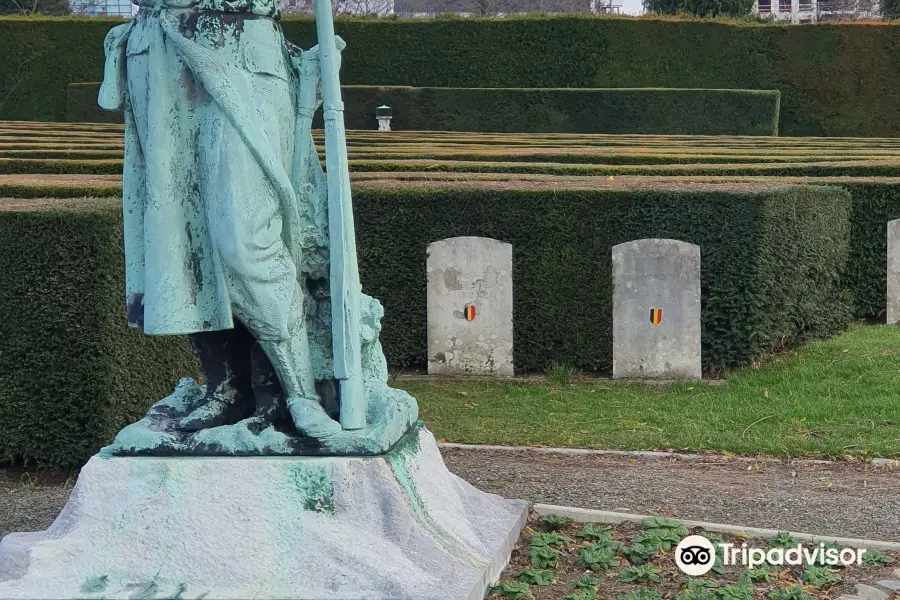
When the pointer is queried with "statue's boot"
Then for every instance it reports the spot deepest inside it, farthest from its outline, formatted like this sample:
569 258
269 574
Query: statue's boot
225 364
291 361
267 391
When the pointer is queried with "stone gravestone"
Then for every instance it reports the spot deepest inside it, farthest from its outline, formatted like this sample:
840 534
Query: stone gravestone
656 309
892 315
470 304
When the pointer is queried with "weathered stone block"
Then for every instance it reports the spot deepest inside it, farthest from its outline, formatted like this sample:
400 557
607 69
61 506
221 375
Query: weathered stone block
892 316
397 526
868 592
470 307
656 309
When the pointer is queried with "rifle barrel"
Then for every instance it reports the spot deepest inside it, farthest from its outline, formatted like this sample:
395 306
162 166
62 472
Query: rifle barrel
345 288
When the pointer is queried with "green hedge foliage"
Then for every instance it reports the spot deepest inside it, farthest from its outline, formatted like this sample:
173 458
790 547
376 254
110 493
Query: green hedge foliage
510 110
818 68
643 111
72 374
873 205
82 107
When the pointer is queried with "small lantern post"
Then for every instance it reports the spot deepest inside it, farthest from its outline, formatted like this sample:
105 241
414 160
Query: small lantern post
384 114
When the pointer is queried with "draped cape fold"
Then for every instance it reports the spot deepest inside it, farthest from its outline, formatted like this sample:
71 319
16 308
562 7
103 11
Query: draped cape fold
224 200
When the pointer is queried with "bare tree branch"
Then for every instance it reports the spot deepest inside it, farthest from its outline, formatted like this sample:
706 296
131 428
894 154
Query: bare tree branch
18 77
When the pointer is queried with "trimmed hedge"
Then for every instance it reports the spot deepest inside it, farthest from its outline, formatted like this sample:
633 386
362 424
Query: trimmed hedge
873 205
82 107
72 374
820 97
885 168
642 111
385 163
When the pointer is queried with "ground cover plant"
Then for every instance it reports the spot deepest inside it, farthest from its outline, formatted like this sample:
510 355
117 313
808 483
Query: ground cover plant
588 568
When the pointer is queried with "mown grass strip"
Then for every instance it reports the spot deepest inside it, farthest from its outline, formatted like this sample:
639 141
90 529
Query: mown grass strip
807 403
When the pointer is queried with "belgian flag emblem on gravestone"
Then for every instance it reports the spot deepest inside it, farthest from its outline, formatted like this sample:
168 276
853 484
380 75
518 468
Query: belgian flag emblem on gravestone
655 316
470 312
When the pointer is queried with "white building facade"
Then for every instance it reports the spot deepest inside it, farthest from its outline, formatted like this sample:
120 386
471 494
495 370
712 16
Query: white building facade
811 11
104 8
792 11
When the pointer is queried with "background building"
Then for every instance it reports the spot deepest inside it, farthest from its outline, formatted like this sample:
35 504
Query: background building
430 8
810 11
103 8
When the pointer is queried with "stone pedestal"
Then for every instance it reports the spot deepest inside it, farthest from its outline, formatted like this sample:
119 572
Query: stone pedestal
397 526
892 304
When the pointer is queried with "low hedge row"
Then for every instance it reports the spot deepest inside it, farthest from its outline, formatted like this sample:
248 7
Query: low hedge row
511 110
71 373
847 168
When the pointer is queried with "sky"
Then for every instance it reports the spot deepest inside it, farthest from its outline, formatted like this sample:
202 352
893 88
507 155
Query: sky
632 7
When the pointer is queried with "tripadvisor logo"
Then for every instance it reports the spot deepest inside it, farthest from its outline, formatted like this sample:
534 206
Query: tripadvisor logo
696 555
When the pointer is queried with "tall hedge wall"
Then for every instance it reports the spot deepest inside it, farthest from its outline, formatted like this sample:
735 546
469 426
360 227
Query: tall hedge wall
72 374
511 110
873 205
835 79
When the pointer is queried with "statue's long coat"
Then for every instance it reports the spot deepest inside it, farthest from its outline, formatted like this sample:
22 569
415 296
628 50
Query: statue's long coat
223 194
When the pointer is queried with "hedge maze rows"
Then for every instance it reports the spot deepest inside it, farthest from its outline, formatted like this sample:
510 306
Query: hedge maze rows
791 230
509 110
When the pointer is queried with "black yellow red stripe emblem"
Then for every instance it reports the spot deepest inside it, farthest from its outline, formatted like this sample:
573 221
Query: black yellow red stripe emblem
470 312
656 316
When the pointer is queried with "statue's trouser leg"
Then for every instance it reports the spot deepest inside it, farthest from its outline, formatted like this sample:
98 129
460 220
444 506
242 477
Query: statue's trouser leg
224 358
245 220
292 363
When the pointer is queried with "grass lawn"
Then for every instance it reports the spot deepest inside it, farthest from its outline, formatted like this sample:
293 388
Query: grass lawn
833 398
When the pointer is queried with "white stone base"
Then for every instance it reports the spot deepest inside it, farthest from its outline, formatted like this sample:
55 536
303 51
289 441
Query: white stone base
399 526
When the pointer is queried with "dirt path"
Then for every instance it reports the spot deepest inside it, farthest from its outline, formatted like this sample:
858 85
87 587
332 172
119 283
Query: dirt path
29 501
840 499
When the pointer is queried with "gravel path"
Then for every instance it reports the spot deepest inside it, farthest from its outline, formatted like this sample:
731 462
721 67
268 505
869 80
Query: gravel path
840 499
30 501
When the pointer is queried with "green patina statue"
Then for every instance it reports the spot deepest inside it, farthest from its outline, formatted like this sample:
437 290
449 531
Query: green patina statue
234 236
